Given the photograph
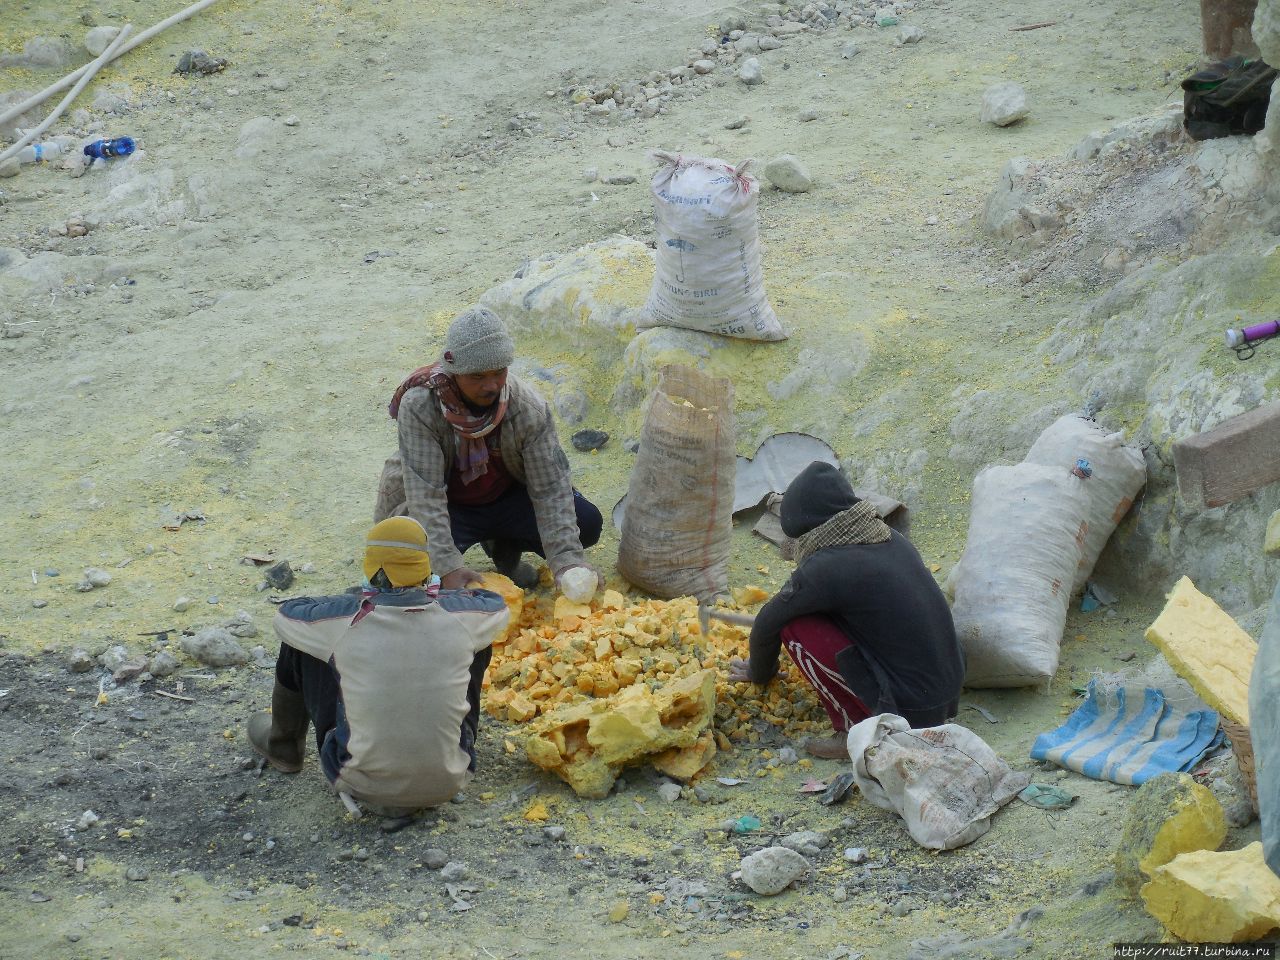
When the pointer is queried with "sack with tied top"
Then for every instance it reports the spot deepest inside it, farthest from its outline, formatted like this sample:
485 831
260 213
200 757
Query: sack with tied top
708 275
678 525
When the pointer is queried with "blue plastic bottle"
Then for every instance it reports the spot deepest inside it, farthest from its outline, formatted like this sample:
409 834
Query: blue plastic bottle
105 149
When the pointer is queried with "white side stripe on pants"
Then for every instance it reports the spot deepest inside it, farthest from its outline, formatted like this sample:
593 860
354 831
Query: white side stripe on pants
821 677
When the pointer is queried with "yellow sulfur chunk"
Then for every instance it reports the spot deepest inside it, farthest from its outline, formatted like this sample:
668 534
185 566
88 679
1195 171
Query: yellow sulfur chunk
520 709
587 744
1207 649
612 600
1207 897
566 608
683 763
537 812
747 596
1170 814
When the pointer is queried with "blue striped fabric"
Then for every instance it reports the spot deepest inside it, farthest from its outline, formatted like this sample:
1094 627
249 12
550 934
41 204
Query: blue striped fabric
1128 735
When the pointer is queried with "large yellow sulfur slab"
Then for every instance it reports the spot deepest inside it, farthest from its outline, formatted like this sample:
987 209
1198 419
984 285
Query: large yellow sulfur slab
1169 815
1207 649
1206 897
586 744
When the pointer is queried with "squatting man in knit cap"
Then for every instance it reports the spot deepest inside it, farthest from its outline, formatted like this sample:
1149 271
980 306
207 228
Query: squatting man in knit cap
480 463
390 678
861 616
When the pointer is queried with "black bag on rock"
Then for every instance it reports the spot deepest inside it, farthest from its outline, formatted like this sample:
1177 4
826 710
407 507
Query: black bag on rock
1227 98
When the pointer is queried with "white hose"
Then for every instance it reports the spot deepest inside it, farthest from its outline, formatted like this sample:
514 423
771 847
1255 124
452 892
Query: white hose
71 78
90 71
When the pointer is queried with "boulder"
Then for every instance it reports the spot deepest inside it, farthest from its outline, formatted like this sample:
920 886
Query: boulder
651 350
787 173
588 297
1004 104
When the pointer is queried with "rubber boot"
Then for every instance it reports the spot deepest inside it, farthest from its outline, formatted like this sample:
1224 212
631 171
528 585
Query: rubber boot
281 735
506 560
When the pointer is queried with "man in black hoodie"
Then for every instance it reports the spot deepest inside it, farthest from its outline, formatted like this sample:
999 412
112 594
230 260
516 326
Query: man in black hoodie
861 616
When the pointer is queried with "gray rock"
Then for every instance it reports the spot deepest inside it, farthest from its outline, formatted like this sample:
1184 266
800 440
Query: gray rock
455 870
241 625
99 38
773 869
703 67
434 859
137 874
96 577
279 84
788 756
108 101
669 792
255 138
39 603
87 820
787 173
163 664
749 72
113 658
554 833
1003 104
618 179
79 661
129 669
805 116
809 843
197 61
856 854
215 647
279 575
909 34
43 53
182 604
768 43
849 51
10 168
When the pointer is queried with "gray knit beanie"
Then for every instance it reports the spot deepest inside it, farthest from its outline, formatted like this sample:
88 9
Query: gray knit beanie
477 340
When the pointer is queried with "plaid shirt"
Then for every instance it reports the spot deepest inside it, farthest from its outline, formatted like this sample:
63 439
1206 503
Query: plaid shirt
531 452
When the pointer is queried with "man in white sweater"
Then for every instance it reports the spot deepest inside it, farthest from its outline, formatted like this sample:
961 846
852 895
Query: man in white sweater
389 677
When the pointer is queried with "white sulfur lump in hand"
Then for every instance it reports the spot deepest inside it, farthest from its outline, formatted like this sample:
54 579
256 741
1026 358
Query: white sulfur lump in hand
579 584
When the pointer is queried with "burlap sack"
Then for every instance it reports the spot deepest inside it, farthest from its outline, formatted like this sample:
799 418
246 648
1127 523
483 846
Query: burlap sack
679 518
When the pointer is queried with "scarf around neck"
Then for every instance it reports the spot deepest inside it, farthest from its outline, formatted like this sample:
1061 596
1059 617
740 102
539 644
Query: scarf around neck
859 524
471 428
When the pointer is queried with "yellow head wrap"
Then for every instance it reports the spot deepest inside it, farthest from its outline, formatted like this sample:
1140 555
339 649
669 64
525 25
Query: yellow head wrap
398 547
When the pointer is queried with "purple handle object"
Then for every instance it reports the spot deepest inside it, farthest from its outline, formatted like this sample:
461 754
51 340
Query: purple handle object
1247 335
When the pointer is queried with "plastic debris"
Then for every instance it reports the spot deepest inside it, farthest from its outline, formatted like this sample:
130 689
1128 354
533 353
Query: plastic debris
1046 798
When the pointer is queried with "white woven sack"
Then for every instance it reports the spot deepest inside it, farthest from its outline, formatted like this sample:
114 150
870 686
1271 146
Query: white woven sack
1119 473
944 781
1013 582
708 275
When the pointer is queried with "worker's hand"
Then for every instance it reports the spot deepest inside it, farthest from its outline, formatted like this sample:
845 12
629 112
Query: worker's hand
460 579
739 671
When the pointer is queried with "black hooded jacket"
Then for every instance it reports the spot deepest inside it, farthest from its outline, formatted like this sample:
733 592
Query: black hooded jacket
904 656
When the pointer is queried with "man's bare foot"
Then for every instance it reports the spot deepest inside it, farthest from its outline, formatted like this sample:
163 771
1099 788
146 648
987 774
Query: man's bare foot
834 747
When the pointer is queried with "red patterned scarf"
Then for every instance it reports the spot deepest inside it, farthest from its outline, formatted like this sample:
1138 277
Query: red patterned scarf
471 428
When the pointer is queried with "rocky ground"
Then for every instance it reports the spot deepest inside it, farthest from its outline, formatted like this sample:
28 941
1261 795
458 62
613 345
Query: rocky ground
203 338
